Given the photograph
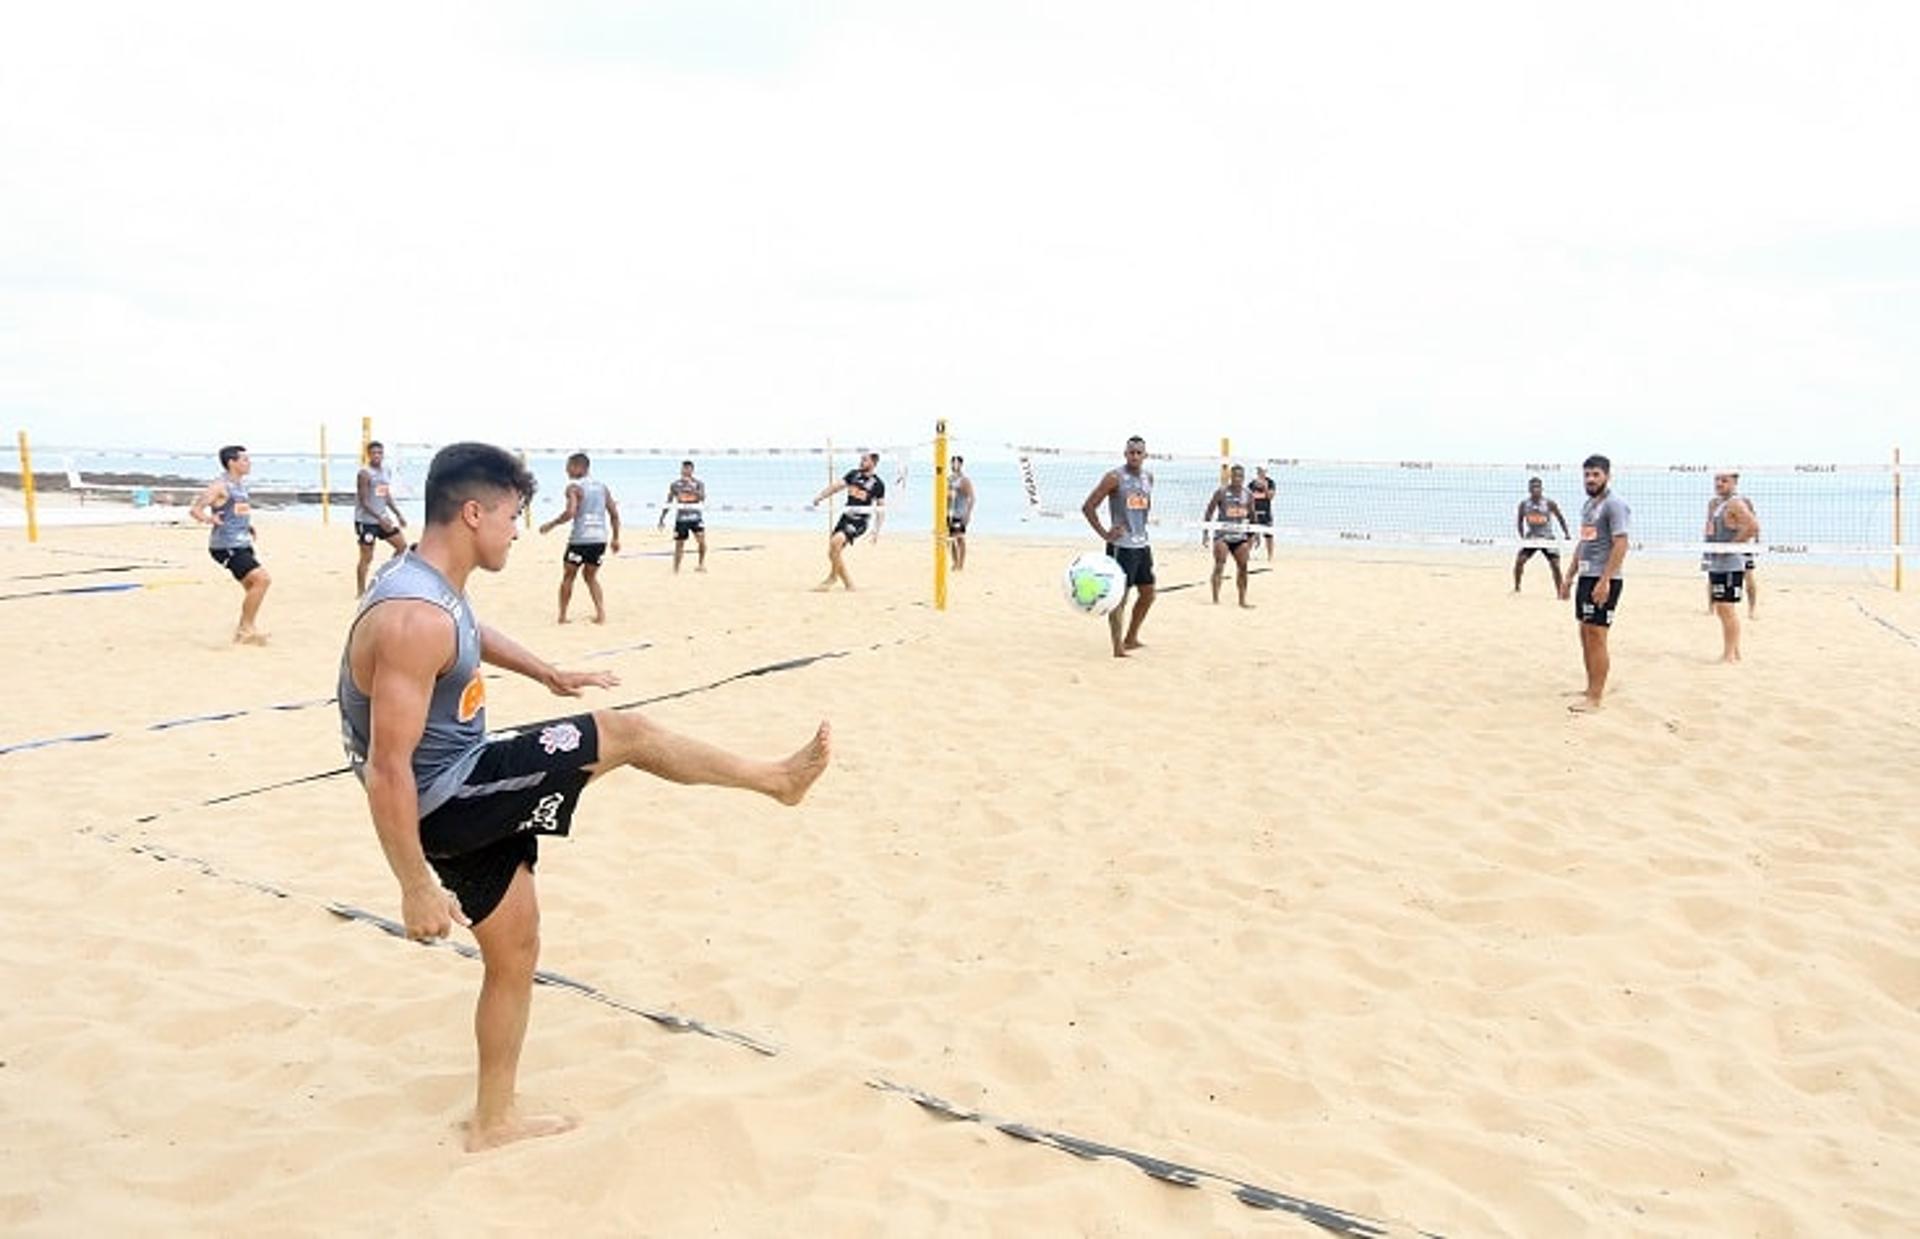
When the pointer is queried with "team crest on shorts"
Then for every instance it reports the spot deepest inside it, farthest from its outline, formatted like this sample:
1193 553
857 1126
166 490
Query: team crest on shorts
559 738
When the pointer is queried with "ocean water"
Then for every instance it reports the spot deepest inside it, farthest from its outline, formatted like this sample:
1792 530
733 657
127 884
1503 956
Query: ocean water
1813 505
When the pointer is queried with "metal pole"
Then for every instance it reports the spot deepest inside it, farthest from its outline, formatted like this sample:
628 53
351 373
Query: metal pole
1899 562
940 483
326 512
26 485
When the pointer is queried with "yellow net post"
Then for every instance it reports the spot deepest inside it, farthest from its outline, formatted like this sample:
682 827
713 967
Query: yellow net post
326 517
940 482
1899 561
366 437
1226 458
26 487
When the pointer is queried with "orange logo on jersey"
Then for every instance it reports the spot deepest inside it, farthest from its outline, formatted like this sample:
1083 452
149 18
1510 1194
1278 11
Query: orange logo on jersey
857 494
1236 513
242 509
381 490
1138 502
1536 518
473 698
1588 533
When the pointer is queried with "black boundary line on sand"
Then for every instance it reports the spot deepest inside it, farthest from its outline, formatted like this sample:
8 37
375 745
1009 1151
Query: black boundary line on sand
1224 581
109 587
347 912
1884 622
1327 1217
712 550
167 724
48 576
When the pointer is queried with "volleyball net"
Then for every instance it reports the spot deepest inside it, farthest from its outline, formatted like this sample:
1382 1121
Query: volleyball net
1803 510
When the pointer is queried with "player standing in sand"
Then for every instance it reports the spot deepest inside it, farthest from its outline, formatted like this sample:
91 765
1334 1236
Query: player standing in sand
1128 491
686 499
226 505
866 497
596 523
1234 503
1262 488
1729 519
1533 522
375 518
959 510
1604 524
455 806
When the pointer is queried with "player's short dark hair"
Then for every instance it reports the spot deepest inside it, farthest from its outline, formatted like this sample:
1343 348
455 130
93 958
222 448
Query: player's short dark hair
959 460
686 464
1597 461
463 471
873 456
376 443
580 458
1533 482
1133 439
230 453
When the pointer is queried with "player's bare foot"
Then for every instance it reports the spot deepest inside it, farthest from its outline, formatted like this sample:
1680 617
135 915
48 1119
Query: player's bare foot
1134 643
823 587
516 1127
248 636
798 772
1246 606
1585 705
600 619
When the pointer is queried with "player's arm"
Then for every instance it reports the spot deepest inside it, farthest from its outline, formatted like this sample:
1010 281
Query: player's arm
966 512
669 505
1213 505
504 652
833 489
363 491
1561 517
613 522
1746 527
212 496
566 515
1520 519
412 643
1097 496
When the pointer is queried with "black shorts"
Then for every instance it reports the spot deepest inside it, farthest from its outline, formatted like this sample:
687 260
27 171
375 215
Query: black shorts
851 526
1263 516
588 553
1135 561
955 526
1589 612
1232 541
1727 586
1749 563
1528 552
525 785
370 534
682 528
238 560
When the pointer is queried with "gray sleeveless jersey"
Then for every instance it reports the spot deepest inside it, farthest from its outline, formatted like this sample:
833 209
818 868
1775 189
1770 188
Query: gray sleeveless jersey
1719 529
956 500
233 527
379 482
1537 517
1236 506
456 713
590 520
1128 505
688 496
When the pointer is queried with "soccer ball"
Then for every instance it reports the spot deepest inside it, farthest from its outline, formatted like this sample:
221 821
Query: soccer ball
1094 583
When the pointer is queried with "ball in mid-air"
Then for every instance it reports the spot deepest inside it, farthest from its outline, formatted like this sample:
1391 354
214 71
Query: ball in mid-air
1094 583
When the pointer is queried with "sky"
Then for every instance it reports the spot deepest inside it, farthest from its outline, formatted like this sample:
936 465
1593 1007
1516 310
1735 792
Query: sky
1466 231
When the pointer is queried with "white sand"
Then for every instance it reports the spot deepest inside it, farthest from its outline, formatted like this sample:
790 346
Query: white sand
1331 896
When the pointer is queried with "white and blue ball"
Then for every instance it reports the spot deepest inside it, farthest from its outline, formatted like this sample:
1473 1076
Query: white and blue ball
1094 583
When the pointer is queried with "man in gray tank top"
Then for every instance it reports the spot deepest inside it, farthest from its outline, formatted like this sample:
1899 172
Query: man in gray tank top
453 804
226 505
595 518
375 518
1233 504
1533 522
959 510
1605 521
1729 520
1128 492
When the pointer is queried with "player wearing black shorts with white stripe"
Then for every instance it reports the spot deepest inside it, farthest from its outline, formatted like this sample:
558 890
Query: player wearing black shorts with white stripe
866 500
1263 488
1128 492
455 805
595 521
375 517
227 506
686 499
1233 503
1605 521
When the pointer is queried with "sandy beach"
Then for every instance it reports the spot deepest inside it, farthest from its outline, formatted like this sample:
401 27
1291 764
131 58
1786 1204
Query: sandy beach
1330 897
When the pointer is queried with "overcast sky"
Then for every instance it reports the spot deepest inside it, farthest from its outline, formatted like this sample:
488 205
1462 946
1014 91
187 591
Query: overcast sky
1452 231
